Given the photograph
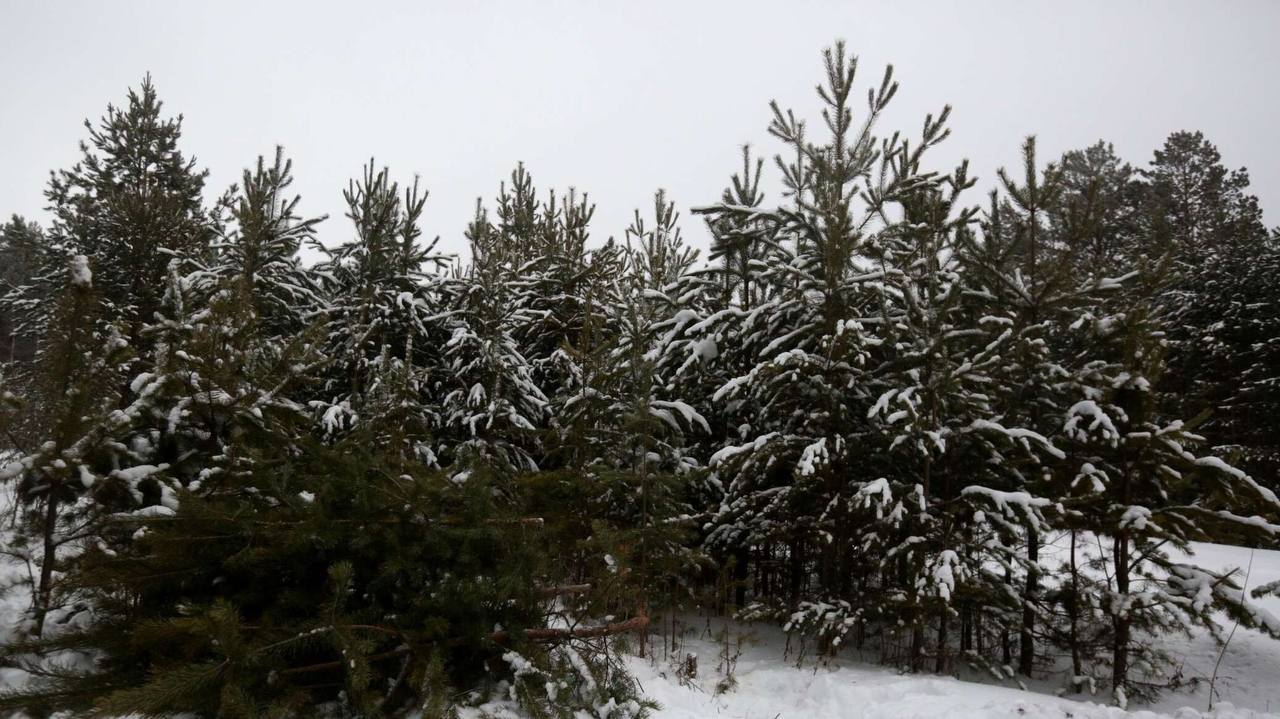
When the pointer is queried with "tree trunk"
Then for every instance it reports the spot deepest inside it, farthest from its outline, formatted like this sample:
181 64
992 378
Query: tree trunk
797 571
44 592
1120 620
741 573
940 662
1027 650
1073 612
917 647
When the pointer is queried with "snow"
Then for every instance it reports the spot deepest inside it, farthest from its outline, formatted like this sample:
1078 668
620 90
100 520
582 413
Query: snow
1019 434
1221 466
769 686
1007 500
81 276
1097 421
662 409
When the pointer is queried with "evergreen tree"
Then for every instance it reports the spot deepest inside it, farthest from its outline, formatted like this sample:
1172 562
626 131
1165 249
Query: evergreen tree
33 275
83 456
25 255
383 317
132 203
804 483
492 406
257 255
1099 210
1133 466
333 579
1216 306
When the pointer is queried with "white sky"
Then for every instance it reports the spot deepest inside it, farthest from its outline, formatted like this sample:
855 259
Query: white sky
621 98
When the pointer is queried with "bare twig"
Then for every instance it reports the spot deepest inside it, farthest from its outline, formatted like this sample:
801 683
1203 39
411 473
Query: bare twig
1213 679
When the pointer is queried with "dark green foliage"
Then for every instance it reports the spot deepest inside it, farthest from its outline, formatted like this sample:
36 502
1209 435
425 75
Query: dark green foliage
131 204
324 570
1217 307
257 255
26 260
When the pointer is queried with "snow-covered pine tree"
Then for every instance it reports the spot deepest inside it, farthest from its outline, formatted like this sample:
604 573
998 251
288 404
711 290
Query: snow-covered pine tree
699 345
651 482
81 458
1250 333
228 351
1145 488
256 256
492 408
1216 309
929 437
32 274
803 485
1025 294
216 381
132 203
1033 291
384 319
25 256
546 242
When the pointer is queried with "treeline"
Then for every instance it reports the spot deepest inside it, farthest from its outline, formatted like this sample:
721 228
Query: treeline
883 412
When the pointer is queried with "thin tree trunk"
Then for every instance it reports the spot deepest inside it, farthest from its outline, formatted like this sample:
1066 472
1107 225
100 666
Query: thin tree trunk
740 576
940 662
1073 611
797 571
917 647
44 593
1006 650
1120 620
1027 650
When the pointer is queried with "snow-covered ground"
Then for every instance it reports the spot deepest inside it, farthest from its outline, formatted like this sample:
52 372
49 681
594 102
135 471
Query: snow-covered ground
1250 672
768 684
771 687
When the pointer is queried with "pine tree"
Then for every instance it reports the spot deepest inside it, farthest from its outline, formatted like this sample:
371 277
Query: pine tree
1098 212
811 484
331 579
383 316
1215 306
1136 465
931 428
81 449
33 275
492 407
25 255
256 256
132 203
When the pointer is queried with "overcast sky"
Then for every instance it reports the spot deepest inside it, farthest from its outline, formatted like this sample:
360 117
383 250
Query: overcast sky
620 98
